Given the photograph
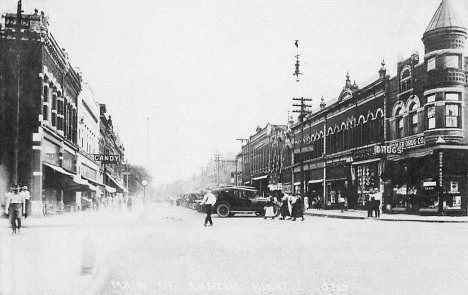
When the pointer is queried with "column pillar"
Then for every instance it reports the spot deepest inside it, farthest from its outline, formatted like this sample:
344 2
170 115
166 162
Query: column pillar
35 208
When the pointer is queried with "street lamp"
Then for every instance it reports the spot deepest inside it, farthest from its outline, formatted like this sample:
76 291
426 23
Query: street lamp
144 183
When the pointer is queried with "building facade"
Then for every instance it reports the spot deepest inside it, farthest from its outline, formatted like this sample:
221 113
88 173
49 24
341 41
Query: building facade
112 170
262 159
88 144
405 136
39 98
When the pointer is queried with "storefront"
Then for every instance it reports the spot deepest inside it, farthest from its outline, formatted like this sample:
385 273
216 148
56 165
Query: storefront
336 184
427 182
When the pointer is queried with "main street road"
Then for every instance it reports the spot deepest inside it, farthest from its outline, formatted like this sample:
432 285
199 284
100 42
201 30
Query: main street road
173 253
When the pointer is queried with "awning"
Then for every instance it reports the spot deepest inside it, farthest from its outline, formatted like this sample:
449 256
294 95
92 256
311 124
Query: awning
316 181
260 177
365 161
110 189
59 169
94 182
70 181
119 187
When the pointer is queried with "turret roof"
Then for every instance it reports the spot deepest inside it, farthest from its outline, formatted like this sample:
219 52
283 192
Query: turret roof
445 17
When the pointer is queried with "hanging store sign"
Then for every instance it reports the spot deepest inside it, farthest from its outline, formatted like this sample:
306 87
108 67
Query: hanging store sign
388 150
111 159
364 153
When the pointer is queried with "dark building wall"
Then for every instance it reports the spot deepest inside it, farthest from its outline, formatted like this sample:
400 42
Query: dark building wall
30 104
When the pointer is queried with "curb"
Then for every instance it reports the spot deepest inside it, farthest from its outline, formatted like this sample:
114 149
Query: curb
335 216
383 219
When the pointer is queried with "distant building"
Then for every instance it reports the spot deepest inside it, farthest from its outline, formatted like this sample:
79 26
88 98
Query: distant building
262 158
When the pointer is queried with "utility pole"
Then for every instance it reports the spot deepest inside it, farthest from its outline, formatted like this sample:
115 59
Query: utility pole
18 65
217 157
302 113
242 154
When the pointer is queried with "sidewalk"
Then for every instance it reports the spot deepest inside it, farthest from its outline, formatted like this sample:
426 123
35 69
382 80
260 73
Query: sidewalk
362 214
48 253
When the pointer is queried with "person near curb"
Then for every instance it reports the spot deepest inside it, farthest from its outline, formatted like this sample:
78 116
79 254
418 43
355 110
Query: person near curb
370 207
297 208
24 191
342 203
208 200
15 207
130 203
377 201
270 209
306 202
284 207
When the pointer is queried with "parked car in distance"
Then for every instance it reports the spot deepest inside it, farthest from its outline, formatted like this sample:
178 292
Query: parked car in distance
240 199
194 199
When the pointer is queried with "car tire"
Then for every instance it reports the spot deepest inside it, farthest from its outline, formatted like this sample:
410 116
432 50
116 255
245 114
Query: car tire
223 210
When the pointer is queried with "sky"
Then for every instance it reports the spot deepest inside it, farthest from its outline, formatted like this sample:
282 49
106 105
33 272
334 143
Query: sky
183 79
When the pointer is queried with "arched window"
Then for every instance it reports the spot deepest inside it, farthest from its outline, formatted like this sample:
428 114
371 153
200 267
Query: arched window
413 118
399 123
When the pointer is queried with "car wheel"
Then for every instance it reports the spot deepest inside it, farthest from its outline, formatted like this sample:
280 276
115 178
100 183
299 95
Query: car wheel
223 210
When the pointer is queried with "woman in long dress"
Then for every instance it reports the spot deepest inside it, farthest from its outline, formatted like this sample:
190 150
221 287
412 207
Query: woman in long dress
297 208
284 207
270 209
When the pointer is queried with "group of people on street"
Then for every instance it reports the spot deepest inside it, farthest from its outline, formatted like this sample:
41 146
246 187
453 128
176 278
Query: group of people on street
373 203
16 204
292 207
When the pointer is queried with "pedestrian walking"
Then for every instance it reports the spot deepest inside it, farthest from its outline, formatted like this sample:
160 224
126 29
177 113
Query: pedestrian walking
15 207
129 203
26 195
342 203
370 207
284 209
297 208
208 200
377 201
270 209
306 202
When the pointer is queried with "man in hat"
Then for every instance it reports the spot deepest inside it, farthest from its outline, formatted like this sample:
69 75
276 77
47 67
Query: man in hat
209 199
15 207
24 191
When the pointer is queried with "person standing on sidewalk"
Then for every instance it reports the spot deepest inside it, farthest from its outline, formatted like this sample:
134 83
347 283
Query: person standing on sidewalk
208 200
24 191
15 207
342 203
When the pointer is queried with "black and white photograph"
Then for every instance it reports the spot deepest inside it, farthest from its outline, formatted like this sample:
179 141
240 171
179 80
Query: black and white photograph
289 147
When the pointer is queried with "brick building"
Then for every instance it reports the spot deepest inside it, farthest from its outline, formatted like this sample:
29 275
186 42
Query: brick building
404 135
37 76
262 158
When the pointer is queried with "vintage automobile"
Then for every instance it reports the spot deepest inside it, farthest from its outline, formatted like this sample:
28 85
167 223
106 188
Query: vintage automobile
240 199
194 199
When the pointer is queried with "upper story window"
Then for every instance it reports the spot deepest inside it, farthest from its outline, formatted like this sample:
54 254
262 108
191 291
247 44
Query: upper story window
431 64
413 116
452 115
399 123
452 61
431 117
405 79
452 96
431 98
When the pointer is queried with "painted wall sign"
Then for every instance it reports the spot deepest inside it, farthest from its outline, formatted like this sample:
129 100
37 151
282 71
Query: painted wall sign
409 143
